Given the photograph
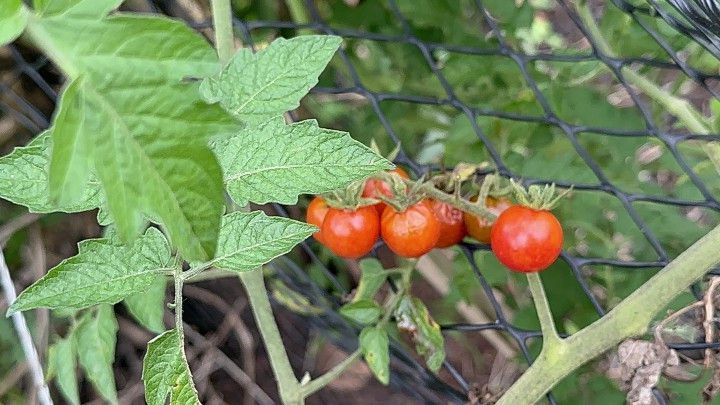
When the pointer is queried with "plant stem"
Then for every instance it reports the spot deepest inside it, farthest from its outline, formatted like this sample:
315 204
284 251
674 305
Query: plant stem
288 385
178 303
547 324
224 38
690 117
26 341
630 318
320 382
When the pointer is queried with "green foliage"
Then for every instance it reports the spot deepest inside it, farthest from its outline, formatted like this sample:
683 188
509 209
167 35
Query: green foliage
364 311
372 277
101 272
78 8
62 365
257 86
413 317
375 348
274 162
114 119
166 372
24 180
96 335
249 240
13 18
148 307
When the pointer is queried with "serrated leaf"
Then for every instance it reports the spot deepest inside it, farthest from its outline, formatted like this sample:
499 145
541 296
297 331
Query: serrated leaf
372 277
375 347
148 307
101 272
413 317
249 240
96 338
166 372
275 162
24 180
13 18
83 8
258 86
127 115
62 364
363 311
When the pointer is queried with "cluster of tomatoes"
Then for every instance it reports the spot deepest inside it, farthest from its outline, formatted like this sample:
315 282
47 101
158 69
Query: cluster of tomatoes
522 238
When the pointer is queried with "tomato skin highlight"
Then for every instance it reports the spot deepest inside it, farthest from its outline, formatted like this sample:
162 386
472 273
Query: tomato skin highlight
351 234
315 215
479 227
374 188
410 233
452 224
526 240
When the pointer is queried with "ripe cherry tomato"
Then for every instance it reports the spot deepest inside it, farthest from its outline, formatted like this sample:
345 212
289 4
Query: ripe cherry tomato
374 188
526 240
410 233
452 226
351 234
315 215
479 227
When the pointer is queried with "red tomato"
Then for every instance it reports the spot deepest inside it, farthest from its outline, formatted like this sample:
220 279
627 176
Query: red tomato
374 188
410 233
479 227
526 240
315 215
351 234
452 226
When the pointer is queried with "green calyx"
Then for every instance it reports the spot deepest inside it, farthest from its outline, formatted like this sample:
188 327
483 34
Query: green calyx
349 198
538 197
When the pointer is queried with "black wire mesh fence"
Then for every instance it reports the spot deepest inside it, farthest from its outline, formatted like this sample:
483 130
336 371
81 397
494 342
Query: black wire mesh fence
37 77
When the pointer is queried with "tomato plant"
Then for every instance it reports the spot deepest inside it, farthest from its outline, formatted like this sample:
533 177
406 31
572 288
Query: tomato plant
315 215
375 188
452 225
412 232
525 239
479 227
351 233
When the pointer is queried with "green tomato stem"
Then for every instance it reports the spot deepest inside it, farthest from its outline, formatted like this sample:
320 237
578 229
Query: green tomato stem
630 318
547 324
224 38
320 382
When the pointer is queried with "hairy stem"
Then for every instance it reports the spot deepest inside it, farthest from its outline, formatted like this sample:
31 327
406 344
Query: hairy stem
178 303
630 318
320 382
288 384
224 38
547 324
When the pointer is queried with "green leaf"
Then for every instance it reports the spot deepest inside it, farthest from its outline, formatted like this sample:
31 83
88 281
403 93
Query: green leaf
148 307
275 162
13 18
258 86
96 337
376 351
372 277
62 364
249 240
24 179
413 317
80 8
101 272
127 116
362 311
165 371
